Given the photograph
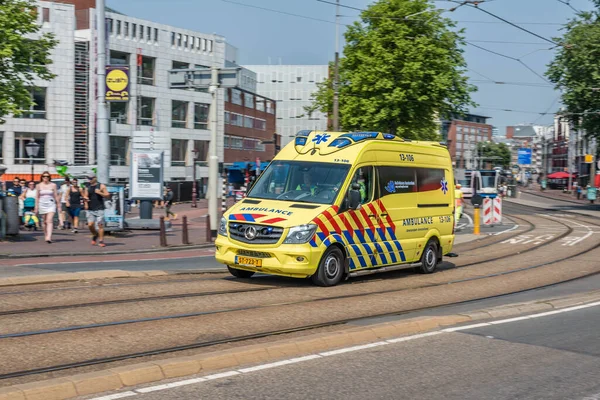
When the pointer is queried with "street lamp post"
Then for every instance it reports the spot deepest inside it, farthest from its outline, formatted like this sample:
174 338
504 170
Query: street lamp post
32 148
194 184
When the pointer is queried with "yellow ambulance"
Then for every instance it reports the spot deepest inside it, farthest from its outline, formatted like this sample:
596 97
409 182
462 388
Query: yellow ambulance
332 205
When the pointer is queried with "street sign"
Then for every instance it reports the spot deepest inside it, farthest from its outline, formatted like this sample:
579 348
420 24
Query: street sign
201 78
589 158
524 156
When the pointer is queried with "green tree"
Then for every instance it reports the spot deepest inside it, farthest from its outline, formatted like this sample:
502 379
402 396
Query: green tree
575 69
399 74
24 55
497 154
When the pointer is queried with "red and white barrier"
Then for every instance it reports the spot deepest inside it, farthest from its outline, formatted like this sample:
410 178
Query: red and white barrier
492 210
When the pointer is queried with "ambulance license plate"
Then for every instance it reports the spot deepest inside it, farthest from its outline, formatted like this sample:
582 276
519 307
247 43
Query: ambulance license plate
253 262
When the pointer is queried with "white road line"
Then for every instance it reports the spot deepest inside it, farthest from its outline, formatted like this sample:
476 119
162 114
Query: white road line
533 316
111 261
590 230
508 230
469 218
281 363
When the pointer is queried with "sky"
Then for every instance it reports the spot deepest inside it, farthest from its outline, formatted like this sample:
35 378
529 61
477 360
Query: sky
265 36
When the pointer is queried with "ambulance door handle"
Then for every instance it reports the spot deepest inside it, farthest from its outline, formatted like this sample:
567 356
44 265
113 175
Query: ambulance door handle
384 214
371 215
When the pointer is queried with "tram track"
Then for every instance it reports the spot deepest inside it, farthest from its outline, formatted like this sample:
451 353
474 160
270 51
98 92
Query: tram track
241 338
204 294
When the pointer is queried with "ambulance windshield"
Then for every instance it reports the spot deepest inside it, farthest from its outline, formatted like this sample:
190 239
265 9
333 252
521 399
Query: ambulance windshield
300 181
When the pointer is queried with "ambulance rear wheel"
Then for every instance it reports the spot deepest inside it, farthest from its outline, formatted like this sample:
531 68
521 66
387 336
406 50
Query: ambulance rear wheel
331 268
240 273
429 259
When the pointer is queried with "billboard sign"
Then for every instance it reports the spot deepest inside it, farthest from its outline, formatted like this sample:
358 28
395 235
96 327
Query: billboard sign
117 83
146 181
114 207
524 156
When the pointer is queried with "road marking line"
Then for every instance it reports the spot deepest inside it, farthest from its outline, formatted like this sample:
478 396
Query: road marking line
508 230
111 261
116 396
338 351
353 348
471 223
170 385
279 363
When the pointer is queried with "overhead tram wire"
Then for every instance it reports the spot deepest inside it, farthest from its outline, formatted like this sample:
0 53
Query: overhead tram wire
547 110
568 4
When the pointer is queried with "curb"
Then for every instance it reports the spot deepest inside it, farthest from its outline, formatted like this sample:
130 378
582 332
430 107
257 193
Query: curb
120 377
105 274
105 253
549 208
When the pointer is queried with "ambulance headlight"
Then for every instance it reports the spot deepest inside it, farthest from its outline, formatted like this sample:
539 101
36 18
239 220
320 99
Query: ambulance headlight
223 227
300 234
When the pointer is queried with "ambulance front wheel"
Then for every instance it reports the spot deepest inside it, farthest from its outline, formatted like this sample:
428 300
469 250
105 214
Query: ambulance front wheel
240 273
331 268
429 259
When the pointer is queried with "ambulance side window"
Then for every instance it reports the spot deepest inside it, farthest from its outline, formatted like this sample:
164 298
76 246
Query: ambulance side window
365 177
429 179
396 180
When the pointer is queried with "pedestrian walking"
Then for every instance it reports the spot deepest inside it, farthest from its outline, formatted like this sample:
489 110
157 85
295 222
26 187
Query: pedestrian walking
169 202
45 205
63 215
93 197
74 203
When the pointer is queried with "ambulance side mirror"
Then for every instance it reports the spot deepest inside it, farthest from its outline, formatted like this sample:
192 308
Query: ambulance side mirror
354 196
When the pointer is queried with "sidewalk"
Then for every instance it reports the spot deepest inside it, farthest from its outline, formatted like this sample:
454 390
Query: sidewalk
65 243
536 199
556 194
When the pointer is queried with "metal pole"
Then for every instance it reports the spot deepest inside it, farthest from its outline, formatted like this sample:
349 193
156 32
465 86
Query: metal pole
594 160
336 93
570 156
103 156
31 162
213 164
194 187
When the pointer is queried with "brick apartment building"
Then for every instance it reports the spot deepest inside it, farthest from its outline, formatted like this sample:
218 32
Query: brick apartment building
462 133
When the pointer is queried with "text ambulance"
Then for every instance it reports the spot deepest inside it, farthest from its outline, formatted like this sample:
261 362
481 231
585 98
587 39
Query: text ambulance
333 205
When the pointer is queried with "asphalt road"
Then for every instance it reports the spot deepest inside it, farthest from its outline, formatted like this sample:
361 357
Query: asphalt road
551 357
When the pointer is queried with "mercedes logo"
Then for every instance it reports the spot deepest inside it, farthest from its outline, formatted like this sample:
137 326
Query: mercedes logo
250 233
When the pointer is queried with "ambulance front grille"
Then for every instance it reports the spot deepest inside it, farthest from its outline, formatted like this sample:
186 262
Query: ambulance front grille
264 234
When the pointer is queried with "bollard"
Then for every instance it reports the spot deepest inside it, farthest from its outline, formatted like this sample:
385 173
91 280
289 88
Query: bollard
208 232
163 232
184 232
476 220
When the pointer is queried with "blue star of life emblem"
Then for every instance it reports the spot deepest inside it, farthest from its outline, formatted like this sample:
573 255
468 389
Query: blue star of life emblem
321 138
444 186
391 187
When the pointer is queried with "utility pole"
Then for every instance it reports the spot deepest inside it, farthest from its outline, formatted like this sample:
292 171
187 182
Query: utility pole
593 151
213 162
103 156
570 155
336 71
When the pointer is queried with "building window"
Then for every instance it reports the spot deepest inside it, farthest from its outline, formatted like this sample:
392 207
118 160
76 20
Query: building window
141 35
148 34
38 109
146 111
155 35
236 119
126 29
234 142
248 122
173 38
118 58
133 31
226 91
201 116
147 77
118 111
185 41
248 100
178 150
298 79
203 44
179 114
179 40
119 148
236 97
209 46
21 140
118 27
260 124
45 14
180 65
197 41
260 104
201 146
270 107
110 25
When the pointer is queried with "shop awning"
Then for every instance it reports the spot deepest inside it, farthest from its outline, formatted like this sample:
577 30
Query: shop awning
559 175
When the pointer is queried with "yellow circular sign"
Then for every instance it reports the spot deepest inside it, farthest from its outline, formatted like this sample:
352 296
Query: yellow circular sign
116 80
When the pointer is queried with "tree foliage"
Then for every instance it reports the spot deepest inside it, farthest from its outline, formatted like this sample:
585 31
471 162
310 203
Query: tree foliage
497 154
399 74
575 70
24 54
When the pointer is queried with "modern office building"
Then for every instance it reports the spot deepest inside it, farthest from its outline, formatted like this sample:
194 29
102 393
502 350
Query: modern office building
292 86
174 120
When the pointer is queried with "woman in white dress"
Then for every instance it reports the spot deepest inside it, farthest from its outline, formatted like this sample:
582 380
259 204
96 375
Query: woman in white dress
45 205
